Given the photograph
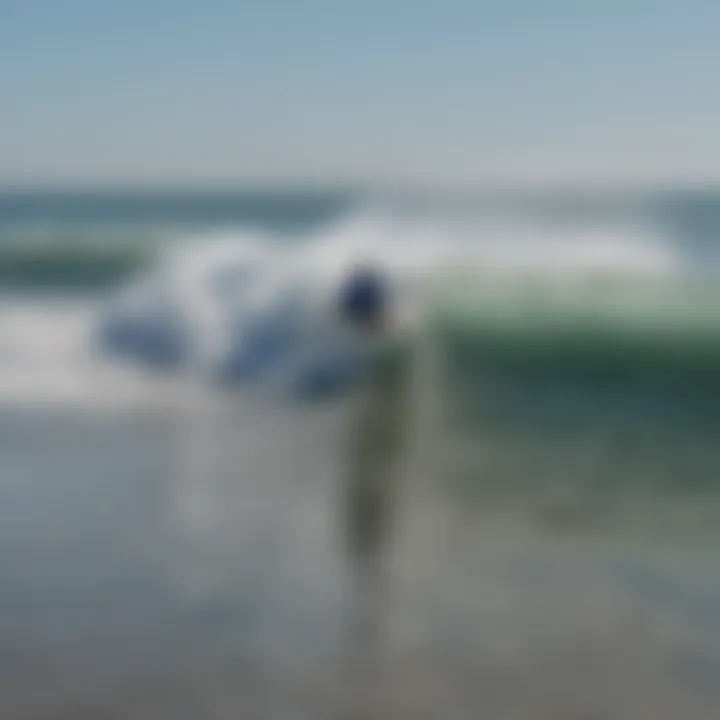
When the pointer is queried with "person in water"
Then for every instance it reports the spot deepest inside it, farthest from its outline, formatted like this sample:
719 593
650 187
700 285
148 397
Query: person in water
378 426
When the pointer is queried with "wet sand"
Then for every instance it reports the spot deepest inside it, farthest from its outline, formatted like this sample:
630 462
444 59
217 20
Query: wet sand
166 565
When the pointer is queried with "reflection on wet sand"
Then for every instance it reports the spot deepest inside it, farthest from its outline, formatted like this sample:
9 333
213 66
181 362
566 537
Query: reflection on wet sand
179 566
305 531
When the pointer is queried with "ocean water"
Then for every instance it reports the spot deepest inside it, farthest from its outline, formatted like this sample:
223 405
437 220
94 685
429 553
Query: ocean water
166 543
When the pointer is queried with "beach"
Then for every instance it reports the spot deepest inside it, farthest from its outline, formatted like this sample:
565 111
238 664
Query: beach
172 549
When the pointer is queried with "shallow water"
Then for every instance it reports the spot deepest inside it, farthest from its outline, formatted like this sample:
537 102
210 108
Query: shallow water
183 561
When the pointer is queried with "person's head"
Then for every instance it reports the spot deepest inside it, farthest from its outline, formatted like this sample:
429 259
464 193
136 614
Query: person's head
364 300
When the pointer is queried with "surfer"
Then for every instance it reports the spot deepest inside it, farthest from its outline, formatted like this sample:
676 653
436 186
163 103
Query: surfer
378 447
377 426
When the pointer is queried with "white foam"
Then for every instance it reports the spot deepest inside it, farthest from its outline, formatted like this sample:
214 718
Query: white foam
45 358
218 284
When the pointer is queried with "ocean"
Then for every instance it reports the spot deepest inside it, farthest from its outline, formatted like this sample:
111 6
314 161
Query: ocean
167 547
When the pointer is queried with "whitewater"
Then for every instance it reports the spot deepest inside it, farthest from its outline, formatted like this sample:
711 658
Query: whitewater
199 305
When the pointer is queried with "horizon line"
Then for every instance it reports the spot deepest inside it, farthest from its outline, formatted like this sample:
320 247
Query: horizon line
341 187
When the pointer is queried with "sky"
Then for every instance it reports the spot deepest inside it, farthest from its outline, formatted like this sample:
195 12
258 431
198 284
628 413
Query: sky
428 92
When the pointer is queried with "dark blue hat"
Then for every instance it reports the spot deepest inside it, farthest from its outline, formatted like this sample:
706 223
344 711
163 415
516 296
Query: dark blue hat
364 295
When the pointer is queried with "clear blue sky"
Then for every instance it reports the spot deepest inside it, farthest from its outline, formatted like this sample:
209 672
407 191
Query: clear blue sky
429 91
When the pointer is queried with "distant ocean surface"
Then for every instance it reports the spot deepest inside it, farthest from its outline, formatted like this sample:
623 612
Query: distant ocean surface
90 238
157 541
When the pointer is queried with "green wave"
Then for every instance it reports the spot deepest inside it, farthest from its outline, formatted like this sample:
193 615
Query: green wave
68 266
659 330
